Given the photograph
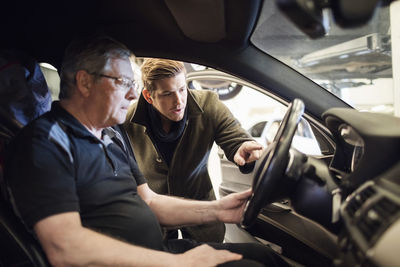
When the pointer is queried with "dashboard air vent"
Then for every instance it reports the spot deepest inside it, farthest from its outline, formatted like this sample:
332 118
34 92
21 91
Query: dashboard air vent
375 221
386 207
358 200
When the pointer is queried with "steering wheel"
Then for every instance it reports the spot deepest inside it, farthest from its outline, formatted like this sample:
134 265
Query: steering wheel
268 181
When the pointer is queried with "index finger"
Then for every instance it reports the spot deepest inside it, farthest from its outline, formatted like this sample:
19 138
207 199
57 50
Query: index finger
252 145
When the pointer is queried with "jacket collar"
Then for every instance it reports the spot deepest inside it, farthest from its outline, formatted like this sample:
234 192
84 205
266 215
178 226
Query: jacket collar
139 116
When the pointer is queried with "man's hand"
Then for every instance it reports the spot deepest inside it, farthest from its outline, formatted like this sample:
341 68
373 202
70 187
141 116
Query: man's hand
248 152
230 208
205 255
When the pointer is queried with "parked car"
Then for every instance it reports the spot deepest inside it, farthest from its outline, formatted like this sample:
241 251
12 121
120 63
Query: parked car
225 89
340 208
303 140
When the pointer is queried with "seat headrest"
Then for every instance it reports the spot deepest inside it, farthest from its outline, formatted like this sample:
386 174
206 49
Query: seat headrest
24 94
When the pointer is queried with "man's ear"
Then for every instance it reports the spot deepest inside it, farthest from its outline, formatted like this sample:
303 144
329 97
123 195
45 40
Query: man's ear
147 95
83 82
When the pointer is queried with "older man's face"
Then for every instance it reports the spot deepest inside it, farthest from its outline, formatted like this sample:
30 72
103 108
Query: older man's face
110 96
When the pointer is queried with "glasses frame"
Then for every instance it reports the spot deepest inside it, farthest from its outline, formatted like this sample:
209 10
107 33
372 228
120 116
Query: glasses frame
125 82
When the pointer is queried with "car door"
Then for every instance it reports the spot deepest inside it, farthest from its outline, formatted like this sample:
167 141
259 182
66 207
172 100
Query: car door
261 119
260 113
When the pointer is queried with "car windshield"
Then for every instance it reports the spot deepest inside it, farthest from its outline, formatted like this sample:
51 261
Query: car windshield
355 64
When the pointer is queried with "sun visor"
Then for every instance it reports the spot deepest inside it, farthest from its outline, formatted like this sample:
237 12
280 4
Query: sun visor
202 21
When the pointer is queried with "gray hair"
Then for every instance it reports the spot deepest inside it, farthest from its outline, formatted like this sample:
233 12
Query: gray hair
91 55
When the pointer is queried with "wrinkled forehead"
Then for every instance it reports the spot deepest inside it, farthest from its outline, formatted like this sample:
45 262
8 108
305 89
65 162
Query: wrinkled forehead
120 66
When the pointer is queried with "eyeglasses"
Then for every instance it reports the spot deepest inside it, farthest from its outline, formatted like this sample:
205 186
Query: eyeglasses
125 83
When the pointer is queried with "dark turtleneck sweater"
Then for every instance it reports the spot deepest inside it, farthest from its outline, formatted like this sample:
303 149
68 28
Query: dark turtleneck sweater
165 142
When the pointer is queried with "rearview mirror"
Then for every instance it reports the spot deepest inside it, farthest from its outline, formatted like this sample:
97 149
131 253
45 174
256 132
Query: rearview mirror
308 15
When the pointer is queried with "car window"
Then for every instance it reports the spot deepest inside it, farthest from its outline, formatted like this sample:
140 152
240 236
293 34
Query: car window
257 112
272 130
257 129
353 63
304 130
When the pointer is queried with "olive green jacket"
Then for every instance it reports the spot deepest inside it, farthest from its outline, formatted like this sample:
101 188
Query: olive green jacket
208 120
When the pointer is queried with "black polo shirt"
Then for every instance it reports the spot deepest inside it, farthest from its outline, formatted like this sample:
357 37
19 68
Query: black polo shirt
56 165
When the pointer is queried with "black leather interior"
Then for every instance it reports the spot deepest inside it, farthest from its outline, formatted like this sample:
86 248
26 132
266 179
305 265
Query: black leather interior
18 247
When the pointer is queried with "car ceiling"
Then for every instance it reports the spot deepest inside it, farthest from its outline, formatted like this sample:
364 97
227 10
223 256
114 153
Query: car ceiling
206 32
44 28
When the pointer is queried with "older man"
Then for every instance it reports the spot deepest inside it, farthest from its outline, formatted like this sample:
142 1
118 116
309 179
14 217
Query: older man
81 193
172 131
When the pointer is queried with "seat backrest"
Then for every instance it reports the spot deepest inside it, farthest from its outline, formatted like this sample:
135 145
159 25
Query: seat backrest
24 96
17 246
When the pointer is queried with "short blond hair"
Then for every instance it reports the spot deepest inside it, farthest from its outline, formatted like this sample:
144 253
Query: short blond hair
154 69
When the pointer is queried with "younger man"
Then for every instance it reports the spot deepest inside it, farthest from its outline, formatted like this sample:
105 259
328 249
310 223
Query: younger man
172 130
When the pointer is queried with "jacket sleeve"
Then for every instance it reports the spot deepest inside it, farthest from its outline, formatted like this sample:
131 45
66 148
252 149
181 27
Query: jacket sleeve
229 134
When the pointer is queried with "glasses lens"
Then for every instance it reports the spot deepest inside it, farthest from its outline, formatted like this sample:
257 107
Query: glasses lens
135 85
128 84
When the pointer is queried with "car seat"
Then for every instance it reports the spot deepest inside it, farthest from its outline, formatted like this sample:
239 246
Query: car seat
24 96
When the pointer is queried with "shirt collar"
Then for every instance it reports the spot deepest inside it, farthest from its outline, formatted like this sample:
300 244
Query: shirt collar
70 122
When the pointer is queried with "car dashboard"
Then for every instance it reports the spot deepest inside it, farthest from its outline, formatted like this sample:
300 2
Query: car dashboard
353 194
366 165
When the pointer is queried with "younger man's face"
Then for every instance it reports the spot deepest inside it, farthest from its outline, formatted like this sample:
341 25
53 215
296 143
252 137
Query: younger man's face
170 97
